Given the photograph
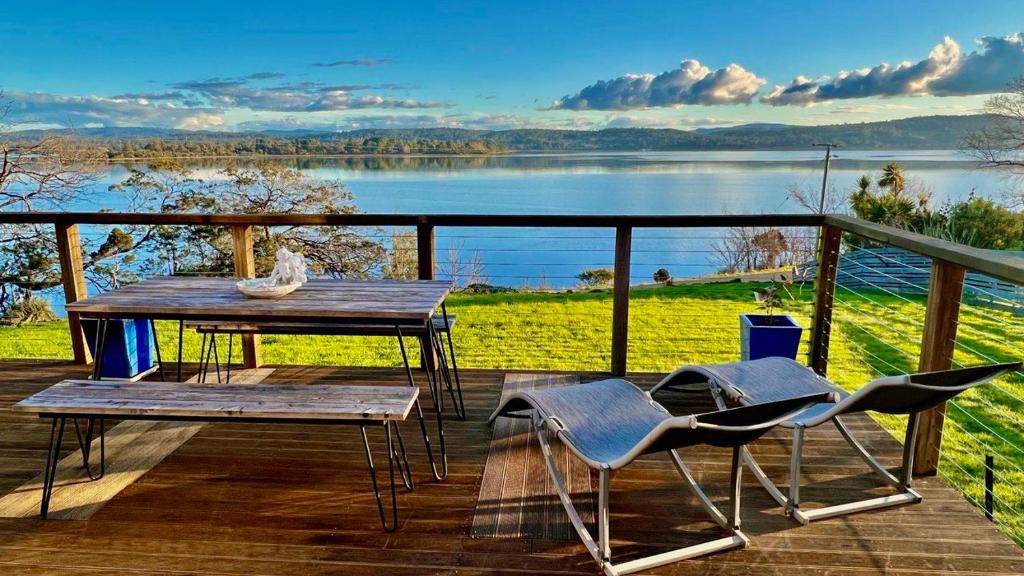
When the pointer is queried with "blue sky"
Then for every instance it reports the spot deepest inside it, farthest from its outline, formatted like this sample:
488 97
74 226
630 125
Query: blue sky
340 65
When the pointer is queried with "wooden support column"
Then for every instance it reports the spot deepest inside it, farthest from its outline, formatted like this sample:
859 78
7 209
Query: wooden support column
426 266
72 276
245 267
425 251
937 344
620 302
824 292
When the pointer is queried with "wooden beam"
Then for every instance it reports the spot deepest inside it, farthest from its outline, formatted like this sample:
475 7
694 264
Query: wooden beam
425 251
996 263
829 241
363 219
427 268
620 303
72 276
245 267
937 344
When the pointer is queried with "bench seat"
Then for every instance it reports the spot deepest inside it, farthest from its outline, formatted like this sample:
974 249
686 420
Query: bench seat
442 329
98 400
314 328
173 400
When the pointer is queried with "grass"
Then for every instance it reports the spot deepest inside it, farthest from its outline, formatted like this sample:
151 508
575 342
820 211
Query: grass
873 333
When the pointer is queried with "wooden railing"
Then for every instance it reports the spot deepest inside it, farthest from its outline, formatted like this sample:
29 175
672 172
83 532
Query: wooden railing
949 263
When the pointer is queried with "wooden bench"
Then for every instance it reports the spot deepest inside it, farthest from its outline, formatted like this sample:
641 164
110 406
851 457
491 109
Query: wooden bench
258 404
441 325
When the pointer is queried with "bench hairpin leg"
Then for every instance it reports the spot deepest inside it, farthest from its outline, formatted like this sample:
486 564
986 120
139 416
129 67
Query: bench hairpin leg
446 374
391 478
455 366
204 361
408 367
101 341
50 471
181 343
156 349
216 355
85 443
404 469
422 420
231 339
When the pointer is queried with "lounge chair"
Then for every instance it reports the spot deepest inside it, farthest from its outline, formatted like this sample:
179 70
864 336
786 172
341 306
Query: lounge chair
610 423
770 379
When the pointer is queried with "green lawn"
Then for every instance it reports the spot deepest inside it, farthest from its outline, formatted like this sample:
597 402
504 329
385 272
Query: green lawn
874 333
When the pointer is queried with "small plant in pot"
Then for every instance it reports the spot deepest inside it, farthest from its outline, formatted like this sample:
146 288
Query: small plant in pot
769 334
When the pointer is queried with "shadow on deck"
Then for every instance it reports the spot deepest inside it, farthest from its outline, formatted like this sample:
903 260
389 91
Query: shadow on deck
242 499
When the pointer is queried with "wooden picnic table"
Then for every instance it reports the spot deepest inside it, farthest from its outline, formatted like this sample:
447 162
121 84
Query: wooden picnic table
396 303
408 302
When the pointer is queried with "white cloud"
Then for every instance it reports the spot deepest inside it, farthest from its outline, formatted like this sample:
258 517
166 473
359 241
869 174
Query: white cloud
945 72
691 83
201 121
72 110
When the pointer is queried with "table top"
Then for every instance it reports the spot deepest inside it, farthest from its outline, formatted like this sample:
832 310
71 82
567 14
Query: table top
184 297
165 400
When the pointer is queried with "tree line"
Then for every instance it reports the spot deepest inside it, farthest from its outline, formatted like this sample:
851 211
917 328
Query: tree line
279 146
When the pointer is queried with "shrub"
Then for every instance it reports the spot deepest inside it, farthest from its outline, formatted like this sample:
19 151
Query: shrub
481 288
596 277
662 276
29 310
984 224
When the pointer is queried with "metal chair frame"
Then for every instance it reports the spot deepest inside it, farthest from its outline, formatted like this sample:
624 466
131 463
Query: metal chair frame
871 397
672 430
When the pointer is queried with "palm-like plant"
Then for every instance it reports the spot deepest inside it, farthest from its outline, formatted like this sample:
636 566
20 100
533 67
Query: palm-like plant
893 178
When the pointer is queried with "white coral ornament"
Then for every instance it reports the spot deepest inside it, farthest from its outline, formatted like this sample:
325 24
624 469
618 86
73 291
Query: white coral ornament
289 268
289 273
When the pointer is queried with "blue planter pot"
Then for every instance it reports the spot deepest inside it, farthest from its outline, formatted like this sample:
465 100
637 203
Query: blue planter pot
761 338
128 349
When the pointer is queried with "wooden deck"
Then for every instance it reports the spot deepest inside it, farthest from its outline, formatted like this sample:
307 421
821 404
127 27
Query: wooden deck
289 500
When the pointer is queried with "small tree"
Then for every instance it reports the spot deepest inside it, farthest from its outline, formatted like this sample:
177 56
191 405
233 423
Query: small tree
770 297
596 277
462 272
1000 145
893 179
267 188
662 276
46 173
402 263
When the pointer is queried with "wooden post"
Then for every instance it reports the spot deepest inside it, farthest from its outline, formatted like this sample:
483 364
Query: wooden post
72 276
245 267
937 344
620 302
824 292
425 262
425 251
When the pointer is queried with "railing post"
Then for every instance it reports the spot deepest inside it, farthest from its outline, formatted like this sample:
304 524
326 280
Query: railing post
620 303
245 267
824 294
937 344
72 276
425 250
425 262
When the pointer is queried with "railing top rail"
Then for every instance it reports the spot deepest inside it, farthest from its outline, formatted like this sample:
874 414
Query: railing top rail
1004 266
481 220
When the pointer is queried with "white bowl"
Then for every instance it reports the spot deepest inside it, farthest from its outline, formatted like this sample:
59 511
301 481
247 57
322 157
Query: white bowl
262 288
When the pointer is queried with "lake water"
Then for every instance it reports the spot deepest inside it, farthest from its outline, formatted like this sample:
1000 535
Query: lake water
600 183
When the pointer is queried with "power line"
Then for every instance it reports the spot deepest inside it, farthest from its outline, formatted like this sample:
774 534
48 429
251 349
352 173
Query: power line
824 177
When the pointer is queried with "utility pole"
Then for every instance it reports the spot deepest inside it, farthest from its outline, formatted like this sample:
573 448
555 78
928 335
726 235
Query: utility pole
824 178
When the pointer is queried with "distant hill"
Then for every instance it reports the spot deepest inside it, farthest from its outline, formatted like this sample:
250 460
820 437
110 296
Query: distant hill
923 132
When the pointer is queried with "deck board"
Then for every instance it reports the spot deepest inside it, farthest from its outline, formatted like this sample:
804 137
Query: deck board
294 499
